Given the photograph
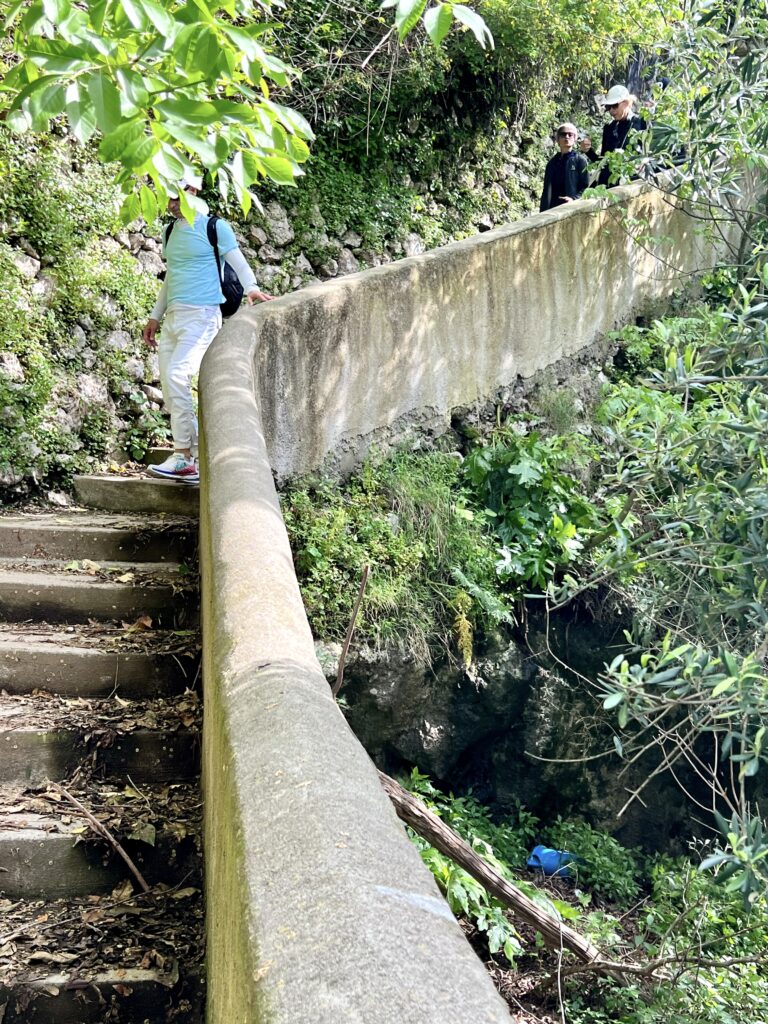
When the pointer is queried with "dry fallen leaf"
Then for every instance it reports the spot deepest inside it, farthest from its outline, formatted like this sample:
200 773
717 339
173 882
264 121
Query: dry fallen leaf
143 622
181 894
53 958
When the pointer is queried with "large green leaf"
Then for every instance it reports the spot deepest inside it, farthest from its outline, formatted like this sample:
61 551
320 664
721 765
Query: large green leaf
115 143
106 101
159 17
198 145
189 111
148 204
408 15
437 21
199 49
80 113
57 10
474 23
45 104
168 164
138 153
135 13
132 88
280 169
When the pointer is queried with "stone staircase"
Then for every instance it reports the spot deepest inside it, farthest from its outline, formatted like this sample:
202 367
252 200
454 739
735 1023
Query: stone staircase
99 759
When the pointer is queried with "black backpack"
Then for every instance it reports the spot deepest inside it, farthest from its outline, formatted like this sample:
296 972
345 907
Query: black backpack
230 282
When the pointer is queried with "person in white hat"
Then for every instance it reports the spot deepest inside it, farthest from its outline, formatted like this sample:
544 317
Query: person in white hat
190 300
619 103
566 174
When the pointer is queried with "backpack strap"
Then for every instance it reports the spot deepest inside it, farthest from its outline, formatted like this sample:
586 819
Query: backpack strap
168 231
210 230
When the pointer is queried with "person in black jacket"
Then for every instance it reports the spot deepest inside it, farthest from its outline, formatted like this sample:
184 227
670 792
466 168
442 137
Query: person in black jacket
566 175
619 102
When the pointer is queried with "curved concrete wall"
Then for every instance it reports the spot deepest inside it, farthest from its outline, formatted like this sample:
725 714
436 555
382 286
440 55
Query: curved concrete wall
319 909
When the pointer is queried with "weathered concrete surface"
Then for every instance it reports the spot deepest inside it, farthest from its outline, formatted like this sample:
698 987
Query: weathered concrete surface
346 362
97 536
30 756
87 671
137 494
58 597
319 909
128 996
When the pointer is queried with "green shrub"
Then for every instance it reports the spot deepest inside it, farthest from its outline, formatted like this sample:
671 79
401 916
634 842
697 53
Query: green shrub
604 867
431 558
540 509
54 193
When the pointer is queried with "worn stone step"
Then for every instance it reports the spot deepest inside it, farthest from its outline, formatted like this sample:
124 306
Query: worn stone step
39 862
70 597
137 494
49 849
125 996
98 536
32 756
98 663
126 957
48 738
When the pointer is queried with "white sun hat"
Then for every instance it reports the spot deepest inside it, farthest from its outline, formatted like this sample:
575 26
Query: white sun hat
616 94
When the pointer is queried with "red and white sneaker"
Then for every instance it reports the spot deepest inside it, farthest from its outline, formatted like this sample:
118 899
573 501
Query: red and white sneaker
177 467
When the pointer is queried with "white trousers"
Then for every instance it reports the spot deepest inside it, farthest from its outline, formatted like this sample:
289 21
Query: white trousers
184 339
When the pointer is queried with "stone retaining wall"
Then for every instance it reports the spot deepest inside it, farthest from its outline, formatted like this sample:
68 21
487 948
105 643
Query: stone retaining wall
319 909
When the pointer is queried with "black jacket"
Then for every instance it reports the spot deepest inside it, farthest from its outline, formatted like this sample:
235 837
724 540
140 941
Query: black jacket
614 136
566 174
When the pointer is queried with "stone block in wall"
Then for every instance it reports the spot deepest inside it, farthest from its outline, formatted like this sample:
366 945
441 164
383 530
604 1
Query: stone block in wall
347 264
413 245
270 254
26 265
277 225
151 262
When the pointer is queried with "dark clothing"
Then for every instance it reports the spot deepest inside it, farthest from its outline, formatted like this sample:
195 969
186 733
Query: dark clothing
566 175
614 136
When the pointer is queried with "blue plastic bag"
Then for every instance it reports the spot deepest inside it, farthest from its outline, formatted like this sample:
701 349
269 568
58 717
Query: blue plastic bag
551 862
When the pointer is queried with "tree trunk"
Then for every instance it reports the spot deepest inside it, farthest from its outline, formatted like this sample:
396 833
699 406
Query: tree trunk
555 933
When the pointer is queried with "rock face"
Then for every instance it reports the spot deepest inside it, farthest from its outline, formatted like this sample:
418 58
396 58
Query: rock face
433 717
515 729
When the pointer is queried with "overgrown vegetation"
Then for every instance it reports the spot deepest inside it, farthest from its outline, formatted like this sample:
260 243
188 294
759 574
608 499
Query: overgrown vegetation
66 284
431 558
691 951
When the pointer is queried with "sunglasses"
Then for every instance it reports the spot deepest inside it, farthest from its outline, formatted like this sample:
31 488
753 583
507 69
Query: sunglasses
612 106
566 135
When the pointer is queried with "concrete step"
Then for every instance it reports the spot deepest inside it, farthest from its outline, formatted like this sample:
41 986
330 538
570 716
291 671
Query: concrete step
98 536
122 995
49 849
96 664
33 756
63 596
49 738
137 494
126 957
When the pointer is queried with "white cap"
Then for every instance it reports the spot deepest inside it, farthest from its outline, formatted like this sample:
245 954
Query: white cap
616 94
188 181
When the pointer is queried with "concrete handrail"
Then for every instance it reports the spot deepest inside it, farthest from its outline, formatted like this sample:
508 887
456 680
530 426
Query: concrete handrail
319 909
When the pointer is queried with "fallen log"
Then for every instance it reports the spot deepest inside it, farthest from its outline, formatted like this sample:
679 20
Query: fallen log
555 933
